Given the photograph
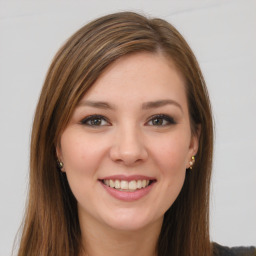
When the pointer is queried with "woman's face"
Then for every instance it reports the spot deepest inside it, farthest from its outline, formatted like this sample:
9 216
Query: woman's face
128 144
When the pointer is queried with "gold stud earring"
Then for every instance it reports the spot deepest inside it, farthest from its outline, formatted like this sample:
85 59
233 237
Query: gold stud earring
60 164
191 163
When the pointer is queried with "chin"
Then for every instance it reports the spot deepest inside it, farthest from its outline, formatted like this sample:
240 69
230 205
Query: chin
130 221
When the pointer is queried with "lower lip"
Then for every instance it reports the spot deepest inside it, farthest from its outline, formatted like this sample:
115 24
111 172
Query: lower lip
128 196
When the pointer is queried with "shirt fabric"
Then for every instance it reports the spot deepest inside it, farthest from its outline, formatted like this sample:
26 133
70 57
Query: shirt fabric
219 250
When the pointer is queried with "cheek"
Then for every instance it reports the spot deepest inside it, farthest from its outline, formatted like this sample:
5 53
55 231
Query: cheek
80 155
171 154
170 160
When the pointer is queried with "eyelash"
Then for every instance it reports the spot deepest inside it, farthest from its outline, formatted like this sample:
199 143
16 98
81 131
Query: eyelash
91 118
165 120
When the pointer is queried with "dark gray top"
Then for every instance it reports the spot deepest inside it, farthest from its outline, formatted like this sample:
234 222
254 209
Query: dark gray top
219 250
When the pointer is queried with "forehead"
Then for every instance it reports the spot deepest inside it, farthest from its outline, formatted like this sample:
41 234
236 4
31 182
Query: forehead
137 78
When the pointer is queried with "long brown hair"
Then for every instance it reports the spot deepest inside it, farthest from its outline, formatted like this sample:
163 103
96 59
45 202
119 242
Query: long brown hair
51 225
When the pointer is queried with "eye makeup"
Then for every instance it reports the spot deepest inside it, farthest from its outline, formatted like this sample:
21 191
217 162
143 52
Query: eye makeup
95 120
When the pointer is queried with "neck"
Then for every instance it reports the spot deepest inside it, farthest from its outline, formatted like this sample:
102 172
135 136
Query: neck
100 240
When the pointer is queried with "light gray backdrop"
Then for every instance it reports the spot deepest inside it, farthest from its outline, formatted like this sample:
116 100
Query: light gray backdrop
222 34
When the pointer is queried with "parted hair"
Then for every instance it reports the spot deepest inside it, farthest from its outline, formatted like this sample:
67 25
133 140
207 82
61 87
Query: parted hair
51 225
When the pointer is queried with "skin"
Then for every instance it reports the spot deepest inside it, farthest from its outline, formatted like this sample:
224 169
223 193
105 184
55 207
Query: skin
128 140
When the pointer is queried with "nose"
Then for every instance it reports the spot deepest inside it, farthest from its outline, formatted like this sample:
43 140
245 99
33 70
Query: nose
128 147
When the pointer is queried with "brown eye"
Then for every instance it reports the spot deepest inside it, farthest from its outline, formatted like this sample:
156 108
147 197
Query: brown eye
95 120
158 121
161 120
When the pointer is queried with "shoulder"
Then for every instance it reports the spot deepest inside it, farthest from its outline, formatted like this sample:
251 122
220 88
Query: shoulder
219 250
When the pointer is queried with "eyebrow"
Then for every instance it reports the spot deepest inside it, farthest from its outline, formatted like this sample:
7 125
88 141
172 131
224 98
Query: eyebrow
96 104
146 105
160 103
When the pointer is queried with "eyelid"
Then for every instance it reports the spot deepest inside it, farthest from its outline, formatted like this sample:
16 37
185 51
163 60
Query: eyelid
167 118
94 116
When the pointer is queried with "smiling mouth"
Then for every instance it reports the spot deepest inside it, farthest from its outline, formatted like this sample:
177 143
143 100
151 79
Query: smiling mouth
127 186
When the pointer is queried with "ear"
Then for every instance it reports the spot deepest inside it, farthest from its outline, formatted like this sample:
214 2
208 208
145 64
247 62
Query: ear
59 156
194 144
58 151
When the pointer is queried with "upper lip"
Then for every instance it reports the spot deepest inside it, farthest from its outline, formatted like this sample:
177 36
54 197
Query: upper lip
127 178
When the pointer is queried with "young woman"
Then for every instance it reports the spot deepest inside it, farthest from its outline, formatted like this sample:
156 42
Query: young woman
121 148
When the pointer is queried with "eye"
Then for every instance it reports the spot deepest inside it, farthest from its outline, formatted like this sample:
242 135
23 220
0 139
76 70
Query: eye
95 120
161 120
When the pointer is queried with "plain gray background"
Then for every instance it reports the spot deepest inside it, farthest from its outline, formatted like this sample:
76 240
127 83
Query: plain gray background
222 34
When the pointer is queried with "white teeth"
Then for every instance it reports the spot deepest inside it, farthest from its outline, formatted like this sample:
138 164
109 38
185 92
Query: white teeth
126 185
117 184
132 184
112 183
106 182
139 185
